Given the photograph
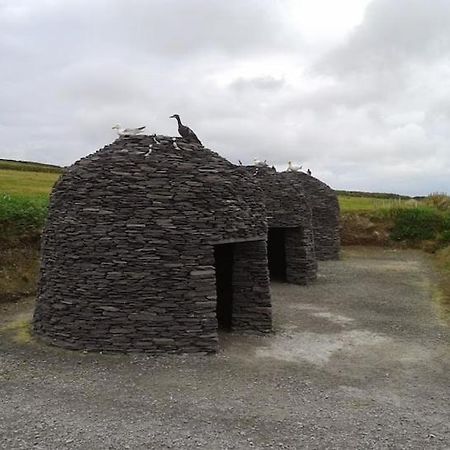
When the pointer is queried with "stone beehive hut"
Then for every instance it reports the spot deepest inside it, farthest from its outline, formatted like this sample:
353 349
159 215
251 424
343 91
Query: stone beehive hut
152 244
290 236
325 213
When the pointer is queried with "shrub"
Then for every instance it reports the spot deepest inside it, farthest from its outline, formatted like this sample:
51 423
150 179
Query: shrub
418 224
20 214
444 237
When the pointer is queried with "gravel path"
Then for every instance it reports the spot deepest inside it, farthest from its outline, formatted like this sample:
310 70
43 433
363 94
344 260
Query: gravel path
358 360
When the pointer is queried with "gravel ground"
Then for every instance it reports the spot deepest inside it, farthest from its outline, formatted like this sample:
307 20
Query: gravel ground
359 359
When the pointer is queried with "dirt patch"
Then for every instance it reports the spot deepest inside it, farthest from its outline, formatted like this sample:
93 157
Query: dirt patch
358 359
19 267
364 229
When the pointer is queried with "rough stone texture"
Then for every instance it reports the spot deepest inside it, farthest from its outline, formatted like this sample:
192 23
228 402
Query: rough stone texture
128 249
250 278
325 213
288 208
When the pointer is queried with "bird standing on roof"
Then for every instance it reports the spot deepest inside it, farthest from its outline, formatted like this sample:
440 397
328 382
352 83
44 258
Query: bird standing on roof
259 163
186 132
293 167
309 172
127 131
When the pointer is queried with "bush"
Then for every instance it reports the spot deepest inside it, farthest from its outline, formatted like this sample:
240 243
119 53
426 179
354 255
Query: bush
444 237
419 224
21 215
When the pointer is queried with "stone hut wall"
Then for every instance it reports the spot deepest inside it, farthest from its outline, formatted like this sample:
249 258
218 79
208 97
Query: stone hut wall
128 249
325 213
288 208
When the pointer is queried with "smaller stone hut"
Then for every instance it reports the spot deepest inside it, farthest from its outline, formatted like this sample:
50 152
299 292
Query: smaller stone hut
290 236
325 213
151 245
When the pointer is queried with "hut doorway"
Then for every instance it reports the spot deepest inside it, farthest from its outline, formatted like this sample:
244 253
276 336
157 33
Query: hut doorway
223 261
276 253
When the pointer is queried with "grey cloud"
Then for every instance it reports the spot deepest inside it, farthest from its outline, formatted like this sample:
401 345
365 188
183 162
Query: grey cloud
393 33
163 28
265 83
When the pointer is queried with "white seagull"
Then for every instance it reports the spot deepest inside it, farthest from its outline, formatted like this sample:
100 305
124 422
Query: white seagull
258 163
127 131
293 167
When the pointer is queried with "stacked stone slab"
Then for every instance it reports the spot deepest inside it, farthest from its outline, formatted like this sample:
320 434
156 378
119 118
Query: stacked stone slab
128 249
288 208
325 213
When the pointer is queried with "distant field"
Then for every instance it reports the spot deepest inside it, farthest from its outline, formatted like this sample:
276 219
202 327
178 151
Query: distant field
27 183
28 166
360 204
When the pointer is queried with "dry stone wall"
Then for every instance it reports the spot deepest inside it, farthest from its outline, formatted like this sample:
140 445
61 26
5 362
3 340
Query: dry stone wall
325 213
289 208
128 249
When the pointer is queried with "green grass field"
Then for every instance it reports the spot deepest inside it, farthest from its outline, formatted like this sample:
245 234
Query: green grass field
360 204
27 183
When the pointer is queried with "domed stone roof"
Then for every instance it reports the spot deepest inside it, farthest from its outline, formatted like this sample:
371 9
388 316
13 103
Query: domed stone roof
288 209
325 213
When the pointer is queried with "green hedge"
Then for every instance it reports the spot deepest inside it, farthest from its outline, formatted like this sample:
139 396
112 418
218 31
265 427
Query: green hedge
22 214
419 224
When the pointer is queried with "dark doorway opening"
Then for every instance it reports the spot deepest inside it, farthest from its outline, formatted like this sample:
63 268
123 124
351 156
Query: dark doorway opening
276 253
223 260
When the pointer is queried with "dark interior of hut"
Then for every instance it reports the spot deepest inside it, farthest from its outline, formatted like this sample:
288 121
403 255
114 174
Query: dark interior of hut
276 253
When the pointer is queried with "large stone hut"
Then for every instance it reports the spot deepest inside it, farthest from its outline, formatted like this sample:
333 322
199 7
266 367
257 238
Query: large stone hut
151 245
290 242
325 213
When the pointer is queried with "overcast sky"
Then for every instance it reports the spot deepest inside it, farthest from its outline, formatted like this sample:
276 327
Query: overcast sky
356 90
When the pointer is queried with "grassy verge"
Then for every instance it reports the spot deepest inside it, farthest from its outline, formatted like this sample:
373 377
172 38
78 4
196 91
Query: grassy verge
443 265
21 222
24 198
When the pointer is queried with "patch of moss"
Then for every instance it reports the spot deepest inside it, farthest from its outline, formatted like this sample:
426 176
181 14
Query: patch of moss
20 330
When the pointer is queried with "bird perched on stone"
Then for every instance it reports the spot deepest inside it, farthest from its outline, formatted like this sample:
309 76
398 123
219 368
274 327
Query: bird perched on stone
293 167
127 131
258 163
186 132
308 172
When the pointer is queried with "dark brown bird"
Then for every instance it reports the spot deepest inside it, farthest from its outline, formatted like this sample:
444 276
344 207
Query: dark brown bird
185 132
